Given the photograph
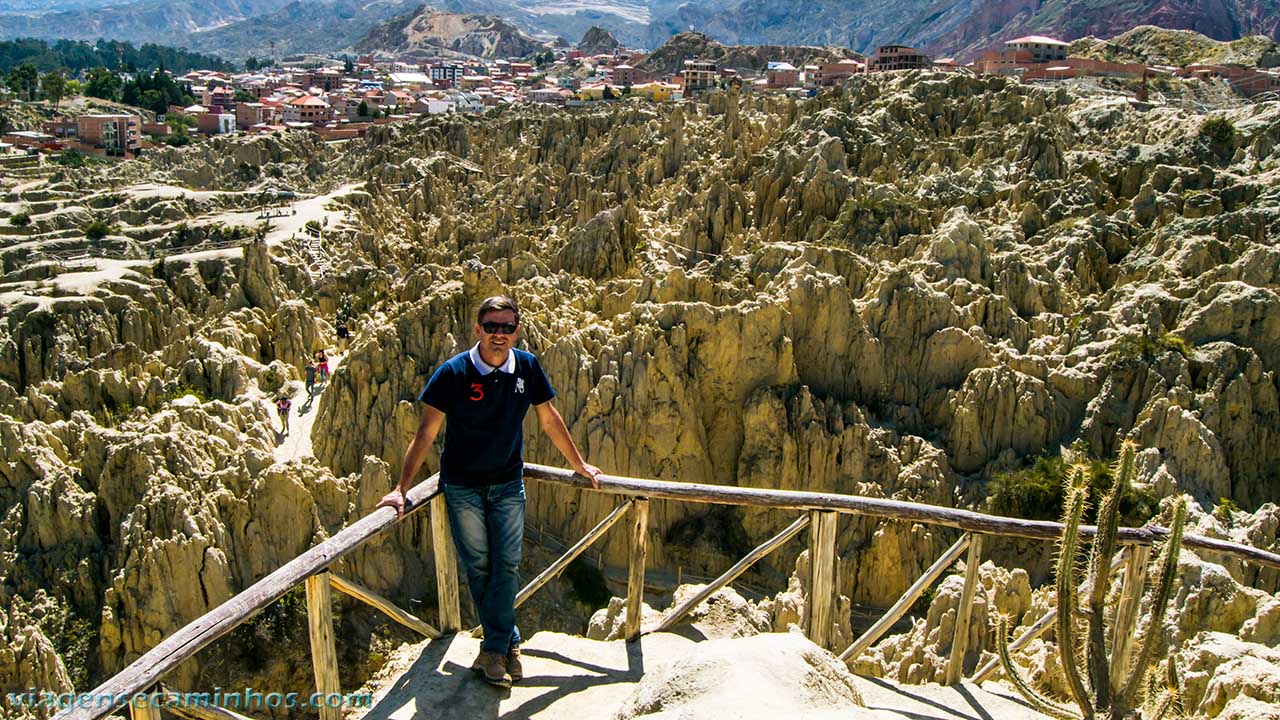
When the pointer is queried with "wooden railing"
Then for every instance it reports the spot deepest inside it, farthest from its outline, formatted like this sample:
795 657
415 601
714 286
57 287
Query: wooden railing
819 513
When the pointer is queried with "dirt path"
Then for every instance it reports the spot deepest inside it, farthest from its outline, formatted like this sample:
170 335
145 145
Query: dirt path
297 444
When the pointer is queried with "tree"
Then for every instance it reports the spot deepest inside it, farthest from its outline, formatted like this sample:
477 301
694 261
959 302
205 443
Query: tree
245 96
363 109
608 93
54 85
348 67
251 63
23 80
102 83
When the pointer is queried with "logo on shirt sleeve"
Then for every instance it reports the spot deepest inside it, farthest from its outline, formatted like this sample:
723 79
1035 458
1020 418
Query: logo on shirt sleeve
477 392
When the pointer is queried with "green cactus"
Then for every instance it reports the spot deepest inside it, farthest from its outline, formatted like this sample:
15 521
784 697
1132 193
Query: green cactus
1107 693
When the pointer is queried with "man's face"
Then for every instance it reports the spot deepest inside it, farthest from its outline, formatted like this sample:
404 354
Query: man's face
497 331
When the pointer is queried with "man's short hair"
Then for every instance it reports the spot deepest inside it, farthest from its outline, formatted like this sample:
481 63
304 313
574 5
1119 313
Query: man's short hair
494 304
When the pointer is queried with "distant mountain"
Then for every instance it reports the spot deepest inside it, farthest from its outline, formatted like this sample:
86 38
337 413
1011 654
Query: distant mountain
627 20
158 21
967 27
961 28
431 32
1152 45
744 58
598 41
313 26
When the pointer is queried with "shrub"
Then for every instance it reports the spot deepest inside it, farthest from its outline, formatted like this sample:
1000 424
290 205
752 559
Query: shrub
587 585
20 219
1147 347
1218 129
73 158
1038 492
273 378
182 390
97 229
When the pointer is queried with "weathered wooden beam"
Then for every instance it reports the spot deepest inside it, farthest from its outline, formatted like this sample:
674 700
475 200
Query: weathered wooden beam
900 608
176 703
324 651
1135 578
178 647
960 640
821 605
143 707
635 576
675 616
380 602
578 548
446 560
1037 629
881 507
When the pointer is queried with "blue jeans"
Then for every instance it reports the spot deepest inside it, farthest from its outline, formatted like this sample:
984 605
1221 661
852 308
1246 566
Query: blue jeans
488 528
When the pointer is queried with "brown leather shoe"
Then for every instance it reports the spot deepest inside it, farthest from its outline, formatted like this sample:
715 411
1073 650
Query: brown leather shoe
492 668
514 668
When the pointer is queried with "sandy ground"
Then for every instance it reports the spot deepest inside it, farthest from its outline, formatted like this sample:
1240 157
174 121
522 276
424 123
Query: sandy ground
297 444
573 677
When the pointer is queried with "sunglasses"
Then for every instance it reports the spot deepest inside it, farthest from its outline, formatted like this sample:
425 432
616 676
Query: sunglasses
498 328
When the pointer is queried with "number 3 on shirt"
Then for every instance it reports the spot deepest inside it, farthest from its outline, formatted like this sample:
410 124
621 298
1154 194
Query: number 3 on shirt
477 392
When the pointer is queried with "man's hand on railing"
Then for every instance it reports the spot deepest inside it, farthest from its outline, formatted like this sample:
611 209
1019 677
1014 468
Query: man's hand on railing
394 499
590 471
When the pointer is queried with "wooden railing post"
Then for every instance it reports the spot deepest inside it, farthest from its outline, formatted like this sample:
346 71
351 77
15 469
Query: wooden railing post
820 609
143 707
578 548
324 653
635 576
446 567
1135 578
960 640
900 608
675 616
388 608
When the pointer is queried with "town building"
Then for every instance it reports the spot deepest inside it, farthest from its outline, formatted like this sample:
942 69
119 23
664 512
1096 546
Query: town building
828 74
249 114
699 75
781 75
899 57
1041 49
1245 80
215 123
626 75
116 133
307 109
447 75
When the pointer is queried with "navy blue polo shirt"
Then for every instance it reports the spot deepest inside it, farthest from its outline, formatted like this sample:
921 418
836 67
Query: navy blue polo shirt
485 409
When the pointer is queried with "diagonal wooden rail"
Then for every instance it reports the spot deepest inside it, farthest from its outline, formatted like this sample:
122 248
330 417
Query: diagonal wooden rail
313 567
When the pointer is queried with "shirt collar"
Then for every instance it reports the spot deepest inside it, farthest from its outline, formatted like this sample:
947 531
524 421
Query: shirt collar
485 368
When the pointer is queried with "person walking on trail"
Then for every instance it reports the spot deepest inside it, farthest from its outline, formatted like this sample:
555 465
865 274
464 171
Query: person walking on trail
484 393
283 405
343 334
311 378
322 365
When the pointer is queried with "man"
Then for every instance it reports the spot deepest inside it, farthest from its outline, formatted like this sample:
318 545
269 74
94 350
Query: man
485 393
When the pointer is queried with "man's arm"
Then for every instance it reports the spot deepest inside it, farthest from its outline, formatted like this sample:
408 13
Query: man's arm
553 425
428 428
